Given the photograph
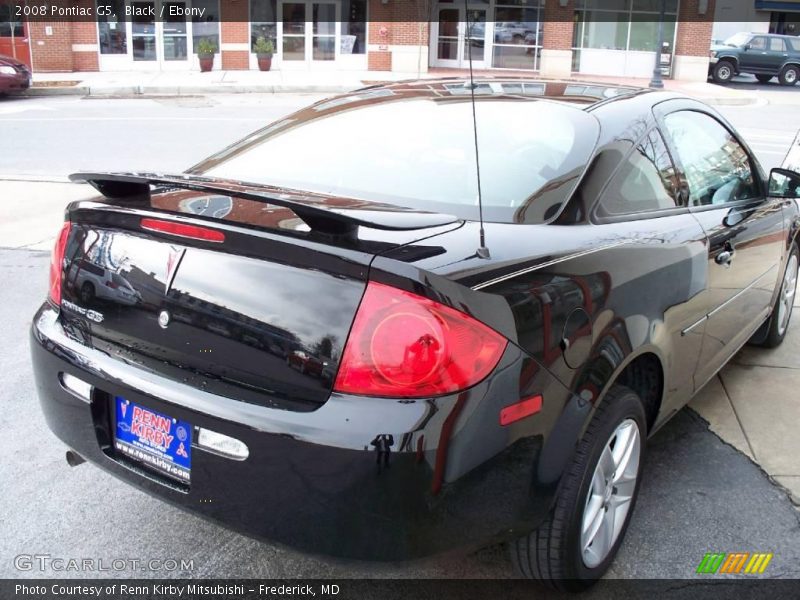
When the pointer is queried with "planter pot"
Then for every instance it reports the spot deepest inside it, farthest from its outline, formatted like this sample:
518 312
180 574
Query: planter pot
206 62
264 61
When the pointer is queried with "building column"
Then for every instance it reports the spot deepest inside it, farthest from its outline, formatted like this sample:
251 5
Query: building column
51 46
693 40
234 35
557 31
398 37
85 49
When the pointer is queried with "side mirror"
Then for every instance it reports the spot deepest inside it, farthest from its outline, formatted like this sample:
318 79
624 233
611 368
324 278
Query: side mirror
784 183
748 46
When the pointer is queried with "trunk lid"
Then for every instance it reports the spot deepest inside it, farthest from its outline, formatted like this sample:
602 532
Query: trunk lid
261 316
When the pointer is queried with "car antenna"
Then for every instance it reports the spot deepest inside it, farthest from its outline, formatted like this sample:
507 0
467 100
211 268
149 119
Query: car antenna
483 251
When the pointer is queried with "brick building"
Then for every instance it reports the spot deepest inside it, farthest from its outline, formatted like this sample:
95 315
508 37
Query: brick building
549 37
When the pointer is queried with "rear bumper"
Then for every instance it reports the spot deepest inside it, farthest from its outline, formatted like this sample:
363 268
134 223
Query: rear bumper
311 481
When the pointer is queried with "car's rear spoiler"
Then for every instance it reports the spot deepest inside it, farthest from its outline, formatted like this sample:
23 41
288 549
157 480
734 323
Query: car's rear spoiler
328 214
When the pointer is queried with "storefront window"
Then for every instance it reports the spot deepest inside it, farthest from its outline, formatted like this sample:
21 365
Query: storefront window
111 31
622 25
354 27
207 26
645 33
608 32
517 34
263 18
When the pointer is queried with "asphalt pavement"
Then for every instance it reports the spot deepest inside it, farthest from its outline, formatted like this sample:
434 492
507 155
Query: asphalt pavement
699 493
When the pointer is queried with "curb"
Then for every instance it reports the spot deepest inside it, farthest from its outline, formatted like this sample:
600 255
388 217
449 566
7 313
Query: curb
128 91
77 90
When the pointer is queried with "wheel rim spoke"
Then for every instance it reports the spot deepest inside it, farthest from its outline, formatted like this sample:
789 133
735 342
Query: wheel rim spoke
610 494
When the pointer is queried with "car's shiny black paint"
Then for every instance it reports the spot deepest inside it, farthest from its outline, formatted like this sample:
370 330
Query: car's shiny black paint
579 299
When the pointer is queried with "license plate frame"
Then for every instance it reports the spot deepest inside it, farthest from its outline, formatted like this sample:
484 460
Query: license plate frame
153 439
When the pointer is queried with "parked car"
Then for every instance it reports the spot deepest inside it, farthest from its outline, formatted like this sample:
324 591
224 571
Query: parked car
514 32
514 356
91 281
306 363
14 75
760 54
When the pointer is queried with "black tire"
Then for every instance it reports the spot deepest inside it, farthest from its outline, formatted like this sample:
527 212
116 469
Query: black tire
775 330
764 78
87 292
552 553
789 75
723 71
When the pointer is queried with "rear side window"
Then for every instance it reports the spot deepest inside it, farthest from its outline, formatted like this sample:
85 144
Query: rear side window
794 43
645 182
777 45
717 167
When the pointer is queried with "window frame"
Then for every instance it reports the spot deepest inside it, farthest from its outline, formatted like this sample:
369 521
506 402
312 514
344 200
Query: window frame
599 218
755 166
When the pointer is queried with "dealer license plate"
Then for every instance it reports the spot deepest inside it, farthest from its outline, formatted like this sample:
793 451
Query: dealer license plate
154 439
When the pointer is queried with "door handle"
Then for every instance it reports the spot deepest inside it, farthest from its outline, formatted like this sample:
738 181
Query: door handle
724 258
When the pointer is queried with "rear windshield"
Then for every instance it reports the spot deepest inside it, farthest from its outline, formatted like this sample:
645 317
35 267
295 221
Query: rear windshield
420 153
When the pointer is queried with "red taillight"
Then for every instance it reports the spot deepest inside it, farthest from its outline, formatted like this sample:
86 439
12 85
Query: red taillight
183 230
57 264
405 346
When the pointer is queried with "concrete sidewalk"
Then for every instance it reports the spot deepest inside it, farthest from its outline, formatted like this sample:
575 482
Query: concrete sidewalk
135 83
753 404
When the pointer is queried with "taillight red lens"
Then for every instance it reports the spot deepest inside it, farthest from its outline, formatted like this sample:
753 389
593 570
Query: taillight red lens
183 230
57 263
402 345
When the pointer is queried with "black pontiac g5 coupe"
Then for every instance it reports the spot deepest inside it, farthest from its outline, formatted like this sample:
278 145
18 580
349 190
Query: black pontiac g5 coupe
307 338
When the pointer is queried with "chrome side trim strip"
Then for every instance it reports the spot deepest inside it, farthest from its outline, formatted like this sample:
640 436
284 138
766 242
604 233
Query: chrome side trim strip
549 263
695 324
742 291
729 300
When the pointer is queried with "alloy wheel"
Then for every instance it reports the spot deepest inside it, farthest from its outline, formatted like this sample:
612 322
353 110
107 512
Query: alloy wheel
788 290
724 73
611 493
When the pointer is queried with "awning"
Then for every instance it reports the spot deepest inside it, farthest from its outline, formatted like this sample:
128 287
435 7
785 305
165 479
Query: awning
777 6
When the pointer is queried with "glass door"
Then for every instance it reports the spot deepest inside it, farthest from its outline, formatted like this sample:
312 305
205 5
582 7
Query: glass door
174 38
450 43
143 31
448 39
309 33
324 22
160 44
293 35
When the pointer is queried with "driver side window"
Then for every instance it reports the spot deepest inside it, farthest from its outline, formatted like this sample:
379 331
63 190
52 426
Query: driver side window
717 167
